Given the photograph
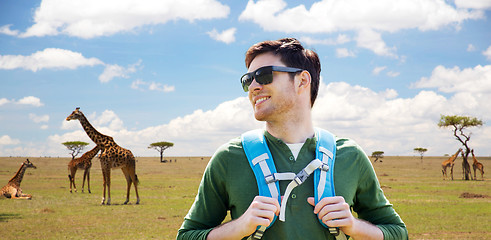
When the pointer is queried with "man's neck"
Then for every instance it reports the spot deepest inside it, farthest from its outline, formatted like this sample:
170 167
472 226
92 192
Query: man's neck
295 130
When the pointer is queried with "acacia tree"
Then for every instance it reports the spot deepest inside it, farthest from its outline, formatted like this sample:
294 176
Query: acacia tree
75 147
161 147
377 155
459 125
421 151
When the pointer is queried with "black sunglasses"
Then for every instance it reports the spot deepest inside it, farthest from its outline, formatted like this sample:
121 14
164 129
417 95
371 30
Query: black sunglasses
264 75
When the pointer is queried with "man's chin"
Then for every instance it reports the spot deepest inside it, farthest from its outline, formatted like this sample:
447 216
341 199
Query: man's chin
260 117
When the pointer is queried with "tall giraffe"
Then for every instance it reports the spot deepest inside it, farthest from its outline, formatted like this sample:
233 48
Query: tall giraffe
450 163
477 165
12 189
112 156
83 162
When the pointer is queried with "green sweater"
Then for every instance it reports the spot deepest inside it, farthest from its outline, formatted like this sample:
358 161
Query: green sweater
229 184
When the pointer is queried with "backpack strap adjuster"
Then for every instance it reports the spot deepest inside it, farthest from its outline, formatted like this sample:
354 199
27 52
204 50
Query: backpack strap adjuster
324 167
301 177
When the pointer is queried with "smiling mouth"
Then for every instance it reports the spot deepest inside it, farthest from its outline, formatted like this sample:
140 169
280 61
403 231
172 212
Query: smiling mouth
260 100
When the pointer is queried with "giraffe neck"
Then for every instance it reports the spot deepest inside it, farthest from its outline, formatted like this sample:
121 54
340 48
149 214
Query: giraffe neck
93 134
455 156
90 154
17 179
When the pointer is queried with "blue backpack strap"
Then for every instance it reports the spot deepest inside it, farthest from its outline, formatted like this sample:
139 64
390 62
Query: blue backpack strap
261 162
326 152
324 177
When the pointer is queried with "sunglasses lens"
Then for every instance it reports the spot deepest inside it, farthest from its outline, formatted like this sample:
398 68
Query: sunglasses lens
264 76
246 81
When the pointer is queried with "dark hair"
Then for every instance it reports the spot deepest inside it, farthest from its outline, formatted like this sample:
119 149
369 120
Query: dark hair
292 54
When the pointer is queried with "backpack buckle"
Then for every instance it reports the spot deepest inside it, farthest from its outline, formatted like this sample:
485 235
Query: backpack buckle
301 177
270 179
324 167
334 231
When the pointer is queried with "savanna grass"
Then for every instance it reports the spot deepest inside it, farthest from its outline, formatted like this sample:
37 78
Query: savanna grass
431 207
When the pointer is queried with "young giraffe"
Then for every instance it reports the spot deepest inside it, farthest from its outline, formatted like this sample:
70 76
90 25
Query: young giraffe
83 162
112 156
477 165
12 189
450 163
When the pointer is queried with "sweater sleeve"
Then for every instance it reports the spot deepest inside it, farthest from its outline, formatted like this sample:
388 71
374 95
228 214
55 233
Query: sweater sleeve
210 205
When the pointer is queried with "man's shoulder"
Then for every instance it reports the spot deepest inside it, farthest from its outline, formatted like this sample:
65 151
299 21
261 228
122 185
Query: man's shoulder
232 148
346 143
348 150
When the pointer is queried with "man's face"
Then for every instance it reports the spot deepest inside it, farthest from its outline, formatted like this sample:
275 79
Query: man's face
274 101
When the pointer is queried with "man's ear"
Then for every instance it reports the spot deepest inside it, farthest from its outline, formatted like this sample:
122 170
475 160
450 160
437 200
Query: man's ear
304 81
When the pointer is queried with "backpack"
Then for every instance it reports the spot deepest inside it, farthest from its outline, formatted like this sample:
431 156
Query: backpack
262 164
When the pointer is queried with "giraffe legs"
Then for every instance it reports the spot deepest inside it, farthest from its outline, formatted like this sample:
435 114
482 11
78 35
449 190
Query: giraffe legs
128 184
88 180
107 184
135 183
71 177
17 194
131 177
451 171
86 175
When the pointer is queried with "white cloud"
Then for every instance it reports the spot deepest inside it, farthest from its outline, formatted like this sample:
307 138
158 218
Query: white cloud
393 74
93 18
378 70
341 39
4 101
487 53
396 125
226 36
198 133
161 87
69 125
329 16
471 48
137 84
49 58
7 31
372 40
110 120
368 18
454 80
7 140
476 4
152 86
113 71
39 119
389 94
376 120
31 100
344 52
55 58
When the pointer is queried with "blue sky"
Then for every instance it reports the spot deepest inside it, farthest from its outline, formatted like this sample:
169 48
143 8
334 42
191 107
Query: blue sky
148 71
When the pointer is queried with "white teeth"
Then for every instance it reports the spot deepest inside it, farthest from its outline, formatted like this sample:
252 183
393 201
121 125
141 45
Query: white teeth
261 100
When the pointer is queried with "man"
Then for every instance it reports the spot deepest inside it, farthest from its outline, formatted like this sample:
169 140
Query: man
284 102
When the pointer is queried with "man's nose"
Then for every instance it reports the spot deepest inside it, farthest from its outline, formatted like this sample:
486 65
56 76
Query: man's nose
254 86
